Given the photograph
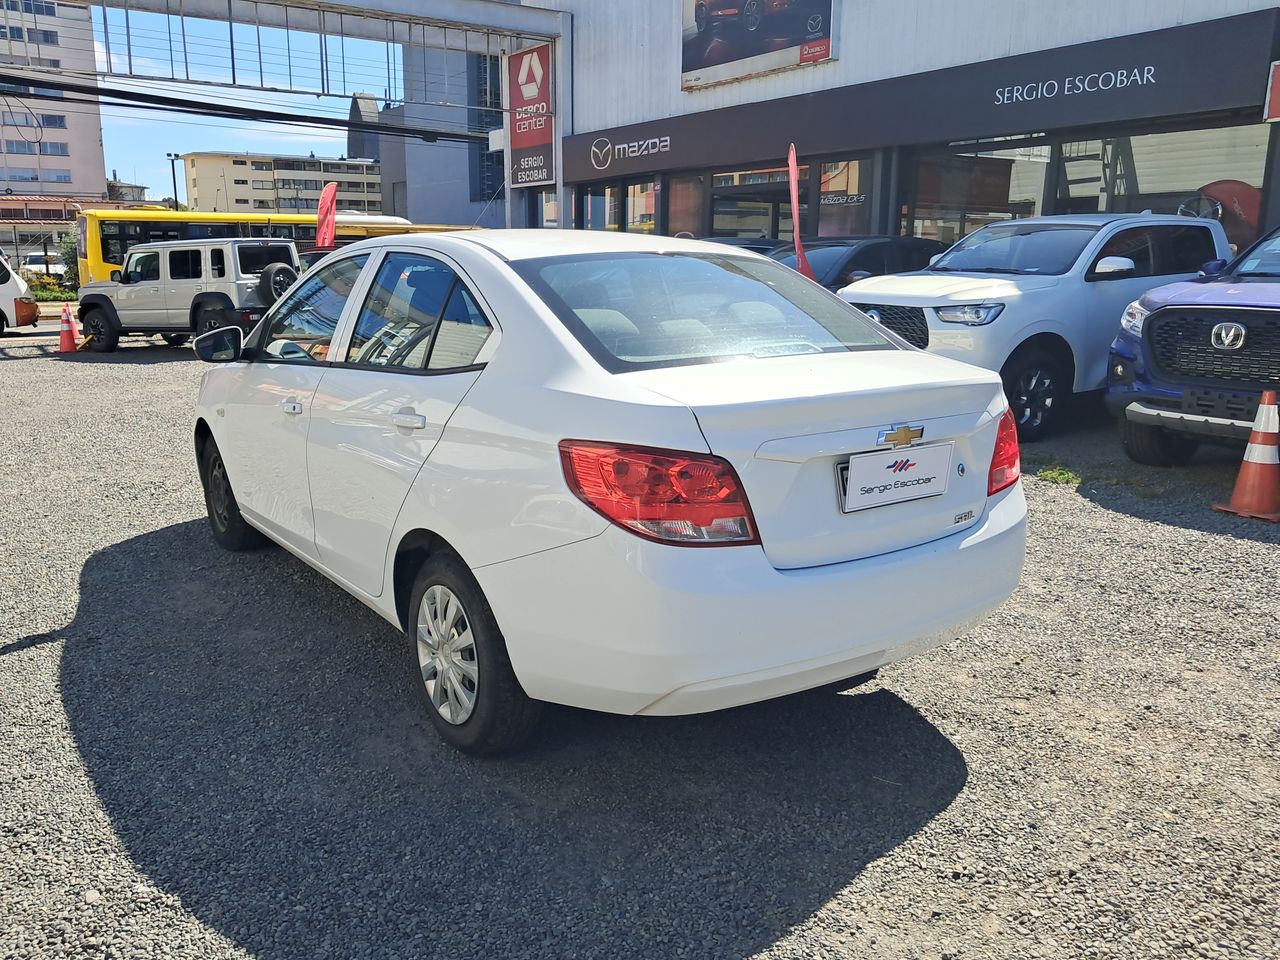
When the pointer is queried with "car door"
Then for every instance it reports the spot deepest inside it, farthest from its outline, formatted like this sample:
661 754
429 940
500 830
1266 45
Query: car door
140 302
184 278
411 357
1161 253
268 410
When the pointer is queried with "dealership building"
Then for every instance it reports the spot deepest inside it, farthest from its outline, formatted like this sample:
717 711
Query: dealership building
929 118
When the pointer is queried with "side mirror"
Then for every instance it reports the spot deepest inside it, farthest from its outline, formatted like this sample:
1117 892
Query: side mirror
1213 268
222 345
118 277
1114 268
853 276
934 259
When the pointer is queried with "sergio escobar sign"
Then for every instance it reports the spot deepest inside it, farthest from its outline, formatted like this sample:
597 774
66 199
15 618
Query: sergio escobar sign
1099 82
530 125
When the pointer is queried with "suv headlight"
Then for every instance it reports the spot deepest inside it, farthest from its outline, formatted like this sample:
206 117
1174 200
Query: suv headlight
1133 318
972 314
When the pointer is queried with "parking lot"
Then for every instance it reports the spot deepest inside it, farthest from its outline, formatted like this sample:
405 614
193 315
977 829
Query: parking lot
208 755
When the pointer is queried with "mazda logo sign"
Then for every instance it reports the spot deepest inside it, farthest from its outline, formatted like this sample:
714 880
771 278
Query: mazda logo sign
815 23
601 153
1227 336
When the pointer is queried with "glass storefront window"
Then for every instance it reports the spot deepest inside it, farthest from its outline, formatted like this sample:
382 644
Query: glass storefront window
546 208
602 207
958 193
642 207
755 203
843 205
1216 173
684 205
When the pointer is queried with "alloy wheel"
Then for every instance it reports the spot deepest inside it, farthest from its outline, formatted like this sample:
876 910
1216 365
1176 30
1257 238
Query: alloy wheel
447 654
219 494
1034 397
751 15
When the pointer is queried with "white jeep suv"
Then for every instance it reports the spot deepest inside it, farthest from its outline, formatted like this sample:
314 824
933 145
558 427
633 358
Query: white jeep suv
183 287
1040 299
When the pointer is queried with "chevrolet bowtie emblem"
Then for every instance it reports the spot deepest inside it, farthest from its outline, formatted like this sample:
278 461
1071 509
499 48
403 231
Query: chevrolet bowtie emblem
902 436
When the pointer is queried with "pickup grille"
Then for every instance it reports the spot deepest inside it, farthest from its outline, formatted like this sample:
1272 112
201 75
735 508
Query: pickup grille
906 322
1179 340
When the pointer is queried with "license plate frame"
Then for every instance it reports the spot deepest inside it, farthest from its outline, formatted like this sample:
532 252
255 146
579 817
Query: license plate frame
935 458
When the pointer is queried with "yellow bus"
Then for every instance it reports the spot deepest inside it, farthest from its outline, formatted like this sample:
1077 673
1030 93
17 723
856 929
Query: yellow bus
103 236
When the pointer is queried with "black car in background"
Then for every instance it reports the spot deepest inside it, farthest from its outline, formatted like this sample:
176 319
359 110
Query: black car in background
754 244
838 261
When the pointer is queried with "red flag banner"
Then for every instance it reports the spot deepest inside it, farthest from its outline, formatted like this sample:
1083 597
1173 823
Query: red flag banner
793 169
327 216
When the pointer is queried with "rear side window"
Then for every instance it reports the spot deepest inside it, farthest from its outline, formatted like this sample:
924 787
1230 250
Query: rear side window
1190 248
643 310
253 258
184 264
217 263
463 331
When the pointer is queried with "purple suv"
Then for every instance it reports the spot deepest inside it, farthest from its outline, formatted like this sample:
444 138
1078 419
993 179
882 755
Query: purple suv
1193 358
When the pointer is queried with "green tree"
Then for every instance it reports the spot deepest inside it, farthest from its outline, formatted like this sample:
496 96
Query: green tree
67 251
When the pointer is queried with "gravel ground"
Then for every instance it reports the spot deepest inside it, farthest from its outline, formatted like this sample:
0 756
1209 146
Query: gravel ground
206 755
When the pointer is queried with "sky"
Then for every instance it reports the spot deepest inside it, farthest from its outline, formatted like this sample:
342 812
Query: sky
135 142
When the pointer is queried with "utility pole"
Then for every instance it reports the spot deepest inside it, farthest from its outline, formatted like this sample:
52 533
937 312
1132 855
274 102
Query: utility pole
174 171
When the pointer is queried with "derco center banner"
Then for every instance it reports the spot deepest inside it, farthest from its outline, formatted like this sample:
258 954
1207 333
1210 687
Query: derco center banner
530 126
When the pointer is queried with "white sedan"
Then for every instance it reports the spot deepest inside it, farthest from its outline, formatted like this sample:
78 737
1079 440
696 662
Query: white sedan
632 474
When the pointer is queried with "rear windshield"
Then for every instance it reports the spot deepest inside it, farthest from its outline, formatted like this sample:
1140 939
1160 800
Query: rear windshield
254 257
643 310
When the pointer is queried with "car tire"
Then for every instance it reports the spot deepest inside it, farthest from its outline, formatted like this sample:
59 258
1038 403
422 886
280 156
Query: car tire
4 324
210 318
470 692
274 280
701 17
1035 382
752 15
1155 446
175 339
102 328
230 531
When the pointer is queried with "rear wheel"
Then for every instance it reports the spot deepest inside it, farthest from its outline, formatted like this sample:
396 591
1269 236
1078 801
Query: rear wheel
229 528
175 339
210 318
102 329
460 663
1035 381
1155 446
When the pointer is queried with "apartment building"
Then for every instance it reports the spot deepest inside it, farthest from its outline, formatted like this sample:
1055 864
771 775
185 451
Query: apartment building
266 183
49 147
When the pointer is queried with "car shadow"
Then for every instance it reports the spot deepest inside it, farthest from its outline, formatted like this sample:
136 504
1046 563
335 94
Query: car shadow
1086 454
255 737
140 354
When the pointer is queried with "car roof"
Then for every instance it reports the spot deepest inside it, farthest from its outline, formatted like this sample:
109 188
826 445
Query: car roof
531 244
1096 219
207 241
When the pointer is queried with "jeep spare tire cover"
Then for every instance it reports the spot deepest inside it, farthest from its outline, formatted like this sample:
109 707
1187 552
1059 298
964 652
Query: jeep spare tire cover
274 280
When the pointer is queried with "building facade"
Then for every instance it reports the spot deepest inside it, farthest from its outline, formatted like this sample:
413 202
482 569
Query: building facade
930 118
51 146
267 183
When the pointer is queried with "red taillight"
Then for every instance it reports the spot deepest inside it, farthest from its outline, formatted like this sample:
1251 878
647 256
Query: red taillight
1006 464
693 499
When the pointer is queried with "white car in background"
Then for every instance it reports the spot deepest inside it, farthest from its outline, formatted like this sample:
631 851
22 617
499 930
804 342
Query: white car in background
17 307
1040 299
632 474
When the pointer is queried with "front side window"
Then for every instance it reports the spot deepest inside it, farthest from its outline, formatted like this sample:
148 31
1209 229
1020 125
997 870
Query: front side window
642 310
184 264
1139 245
1188 248
1034 247
143 267
301 326
400 314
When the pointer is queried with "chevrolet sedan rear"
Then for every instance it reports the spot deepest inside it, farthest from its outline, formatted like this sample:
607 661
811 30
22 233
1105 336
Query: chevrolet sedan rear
637 475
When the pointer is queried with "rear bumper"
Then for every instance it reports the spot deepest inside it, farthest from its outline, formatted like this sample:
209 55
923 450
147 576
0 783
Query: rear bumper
622 625
25 313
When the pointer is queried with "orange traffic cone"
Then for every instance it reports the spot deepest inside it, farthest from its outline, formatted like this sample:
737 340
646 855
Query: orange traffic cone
66 339
1257 492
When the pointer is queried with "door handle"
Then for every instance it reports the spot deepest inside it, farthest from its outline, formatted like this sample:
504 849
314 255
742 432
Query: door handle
405 417
291 406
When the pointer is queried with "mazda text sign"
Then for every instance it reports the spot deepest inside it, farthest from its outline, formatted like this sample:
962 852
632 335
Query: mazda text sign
532 128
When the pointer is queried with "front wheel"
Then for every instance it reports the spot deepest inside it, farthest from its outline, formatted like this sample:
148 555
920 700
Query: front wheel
460 663
1035 381
103 332
175 339
1155 446
229 528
